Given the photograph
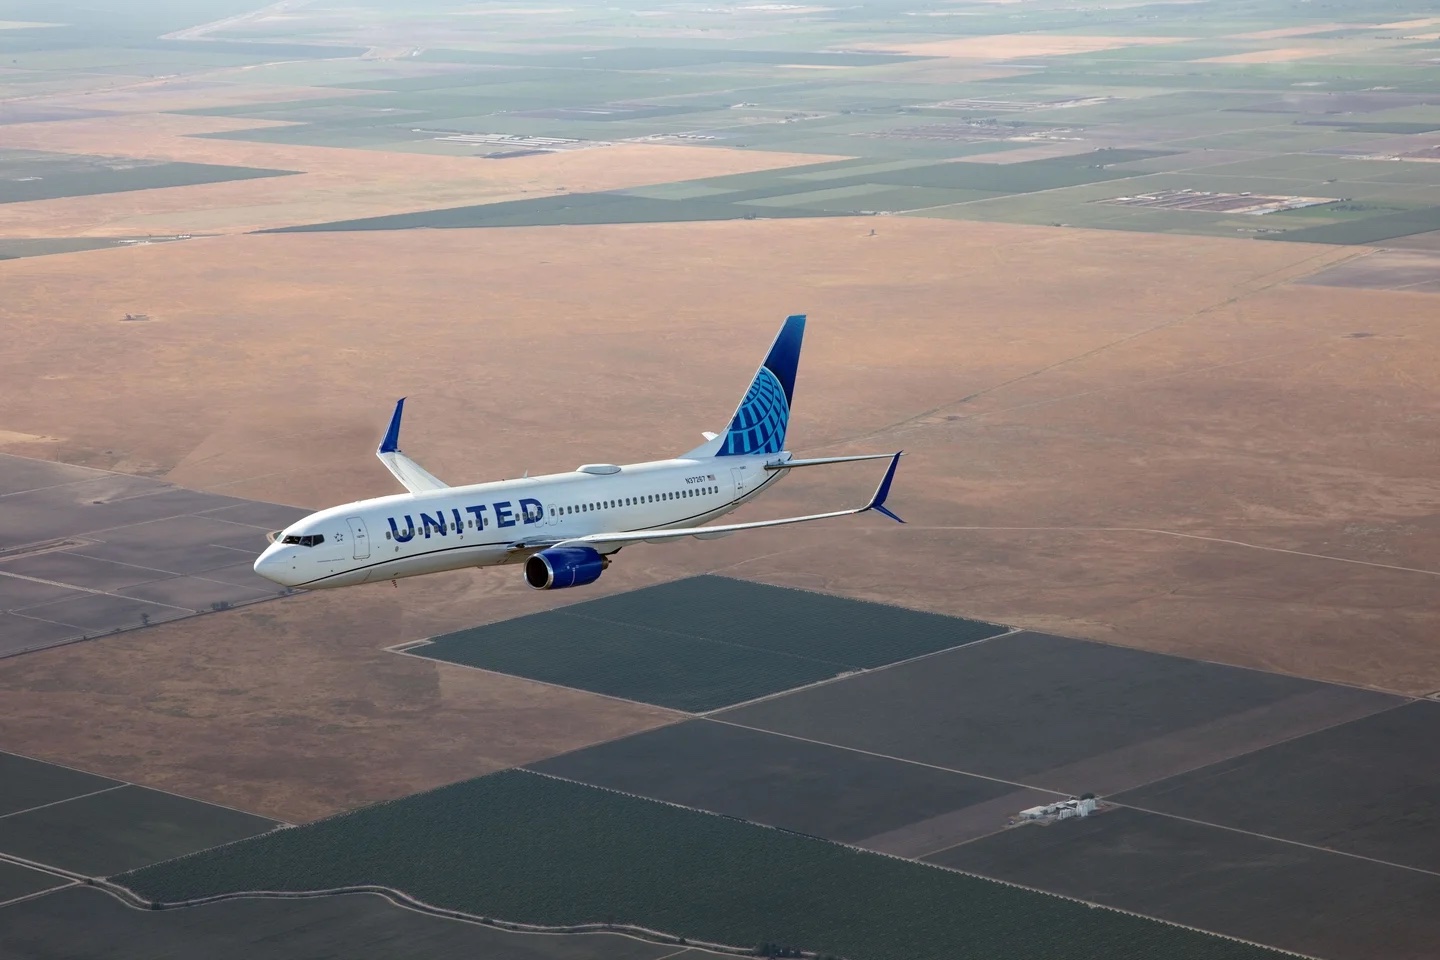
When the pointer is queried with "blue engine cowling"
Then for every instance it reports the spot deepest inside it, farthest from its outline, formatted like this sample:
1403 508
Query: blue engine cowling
560 567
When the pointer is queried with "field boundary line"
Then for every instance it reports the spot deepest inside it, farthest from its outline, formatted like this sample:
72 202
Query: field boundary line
60 872
1283 740
403 900
1293 843
130 783
78 588
56 803
86 637
922 863
515 676
49 890
1117 803
861 671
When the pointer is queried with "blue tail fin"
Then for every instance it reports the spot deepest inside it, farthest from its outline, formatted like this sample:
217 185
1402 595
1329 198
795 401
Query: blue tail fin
761 419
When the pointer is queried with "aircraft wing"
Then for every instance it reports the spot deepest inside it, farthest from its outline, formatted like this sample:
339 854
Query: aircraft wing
415 478
877 503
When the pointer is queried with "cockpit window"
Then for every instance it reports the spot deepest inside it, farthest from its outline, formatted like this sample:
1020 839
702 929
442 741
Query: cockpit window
309 541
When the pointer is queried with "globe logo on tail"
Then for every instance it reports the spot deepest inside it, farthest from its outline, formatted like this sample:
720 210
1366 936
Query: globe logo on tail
759 424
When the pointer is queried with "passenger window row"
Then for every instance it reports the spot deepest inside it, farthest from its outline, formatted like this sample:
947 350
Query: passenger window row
632 501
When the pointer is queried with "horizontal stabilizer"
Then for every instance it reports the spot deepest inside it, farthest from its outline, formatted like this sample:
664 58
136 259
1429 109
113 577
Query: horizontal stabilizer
414 477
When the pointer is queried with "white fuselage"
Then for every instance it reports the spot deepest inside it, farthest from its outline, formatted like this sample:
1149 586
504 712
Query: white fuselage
489 523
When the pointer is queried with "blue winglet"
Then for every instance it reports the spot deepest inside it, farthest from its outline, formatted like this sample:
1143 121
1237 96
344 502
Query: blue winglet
883 491
391 443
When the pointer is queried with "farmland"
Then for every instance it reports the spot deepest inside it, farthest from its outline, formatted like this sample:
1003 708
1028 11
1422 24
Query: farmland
1059 714
120 829
17 881
649 645
1235 883
86 924
723 198
781 782
31 175
1364 791
1063 98
26 783
533 849
1124 421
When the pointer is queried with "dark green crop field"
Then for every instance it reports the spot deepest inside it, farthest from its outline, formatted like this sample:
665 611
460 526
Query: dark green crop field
83 923
704 642
32 175
522 847
17 881
778 781
1298 898
26 783
121 829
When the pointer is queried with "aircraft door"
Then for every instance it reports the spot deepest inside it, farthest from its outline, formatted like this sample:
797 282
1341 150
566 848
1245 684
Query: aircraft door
360 537
739 474
552 515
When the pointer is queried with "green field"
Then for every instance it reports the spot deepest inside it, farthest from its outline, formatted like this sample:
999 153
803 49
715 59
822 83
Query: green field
791 192
33 175
26 783
760 79
527 848
18 249
1371 229
84 923
17 881
121 829
704 643
779 781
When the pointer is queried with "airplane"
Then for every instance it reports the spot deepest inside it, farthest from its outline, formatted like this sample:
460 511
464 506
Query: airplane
563 527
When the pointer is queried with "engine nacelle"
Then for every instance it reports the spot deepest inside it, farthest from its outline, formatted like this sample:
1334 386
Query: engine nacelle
560 567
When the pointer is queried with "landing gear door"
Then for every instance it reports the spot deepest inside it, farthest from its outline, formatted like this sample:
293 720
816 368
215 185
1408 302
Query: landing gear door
360 537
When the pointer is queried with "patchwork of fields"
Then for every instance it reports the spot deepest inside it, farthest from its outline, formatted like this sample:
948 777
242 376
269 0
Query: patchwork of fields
56 817
86 553
648 645
1181 443
539 850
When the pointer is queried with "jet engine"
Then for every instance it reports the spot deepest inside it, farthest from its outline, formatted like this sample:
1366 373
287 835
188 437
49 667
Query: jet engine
560 567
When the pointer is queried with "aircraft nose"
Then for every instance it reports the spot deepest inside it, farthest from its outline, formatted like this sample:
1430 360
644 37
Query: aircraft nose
274 566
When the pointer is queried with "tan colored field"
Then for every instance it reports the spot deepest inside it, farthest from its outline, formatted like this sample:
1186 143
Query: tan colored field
292 709
1012 46
1151 440
1279 55
336 184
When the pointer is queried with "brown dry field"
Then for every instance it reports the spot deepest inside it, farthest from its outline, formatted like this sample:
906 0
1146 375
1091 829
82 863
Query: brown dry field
1012 46
292 710
1150 440
335 183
